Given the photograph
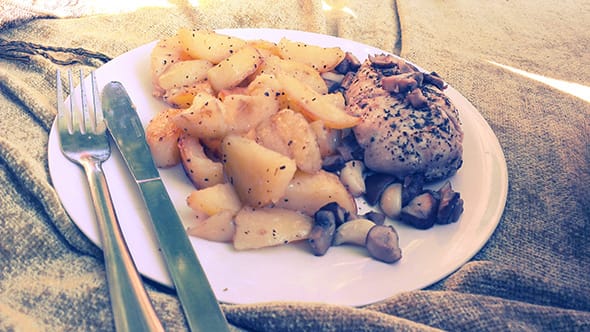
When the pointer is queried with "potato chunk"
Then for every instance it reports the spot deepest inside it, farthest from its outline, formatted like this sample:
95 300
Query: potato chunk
265 227
184 73
322 59
243 112
301 71
314 106
161 136
209 45
199 168
309 192
236 68
219 227
297 137
204 119
259 175
214 199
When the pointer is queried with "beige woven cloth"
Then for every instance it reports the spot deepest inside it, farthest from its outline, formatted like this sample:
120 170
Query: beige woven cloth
533 274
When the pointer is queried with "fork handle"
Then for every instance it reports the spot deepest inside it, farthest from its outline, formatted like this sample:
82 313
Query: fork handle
131 305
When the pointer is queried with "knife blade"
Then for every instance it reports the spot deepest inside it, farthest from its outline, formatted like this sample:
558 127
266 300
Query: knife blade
200 306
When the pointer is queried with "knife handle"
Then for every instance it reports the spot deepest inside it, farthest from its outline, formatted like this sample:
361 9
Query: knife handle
201 309
132 309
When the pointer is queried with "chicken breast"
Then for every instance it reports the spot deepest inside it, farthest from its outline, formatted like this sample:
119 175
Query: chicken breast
409 126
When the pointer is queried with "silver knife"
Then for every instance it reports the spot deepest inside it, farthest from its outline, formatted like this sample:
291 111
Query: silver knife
201 309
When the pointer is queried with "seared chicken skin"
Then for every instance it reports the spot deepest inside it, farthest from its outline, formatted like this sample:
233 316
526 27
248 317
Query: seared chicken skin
408 126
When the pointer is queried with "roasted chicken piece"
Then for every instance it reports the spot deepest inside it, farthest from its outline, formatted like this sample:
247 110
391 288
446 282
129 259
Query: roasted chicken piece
408 126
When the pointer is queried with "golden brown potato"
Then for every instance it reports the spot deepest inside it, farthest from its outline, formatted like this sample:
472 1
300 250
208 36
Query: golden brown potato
208 45
183 97
265 227
214 199
243 112
204 119
166 52
314 106
234 69
199 168
265 47
259 175
322 59
309 192
184 73
298 70
219 227
294 130
265 135
161 136
328 139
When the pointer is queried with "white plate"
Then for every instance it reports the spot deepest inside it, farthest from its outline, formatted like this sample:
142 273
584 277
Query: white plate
345 275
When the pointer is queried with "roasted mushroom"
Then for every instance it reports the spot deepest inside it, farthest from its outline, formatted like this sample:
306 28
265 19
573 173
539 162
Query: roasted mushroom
421 212
450 207
350 63
383 244
381 241
326 219
375 184
353 232
376 217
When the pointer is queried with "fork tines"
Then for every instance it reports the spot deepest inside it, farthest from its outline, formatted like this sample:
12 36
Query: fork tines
90 119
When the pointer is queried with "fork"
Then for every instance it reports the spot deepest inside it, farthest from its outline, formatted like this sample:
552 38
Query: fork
83 140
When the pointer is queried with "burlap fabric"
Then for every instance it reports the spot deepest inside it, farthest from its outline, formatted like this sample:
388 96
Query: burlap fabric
534 273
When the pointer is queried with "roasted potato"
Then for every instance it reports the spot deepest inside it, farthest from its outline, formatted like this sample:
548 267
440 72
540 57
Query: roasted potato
258 228
309 192
296 134
208 45
314 106
204 119
184 73
161 135
219 227
214 199
234 69
259 175
199 168
322 59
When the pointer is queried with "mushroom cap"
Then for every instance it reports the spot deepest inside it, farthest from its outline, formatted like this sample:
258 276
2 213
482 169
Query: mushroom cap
383 243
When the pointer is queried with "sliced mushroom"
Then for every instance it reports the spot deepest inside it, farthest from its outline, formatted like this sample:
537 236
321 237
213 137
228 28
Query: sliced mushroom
402 83
347 80
350 63
375 184
450 207
391 200
421 211
383 244
435 80
353 232
383 60
417 99
351 176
